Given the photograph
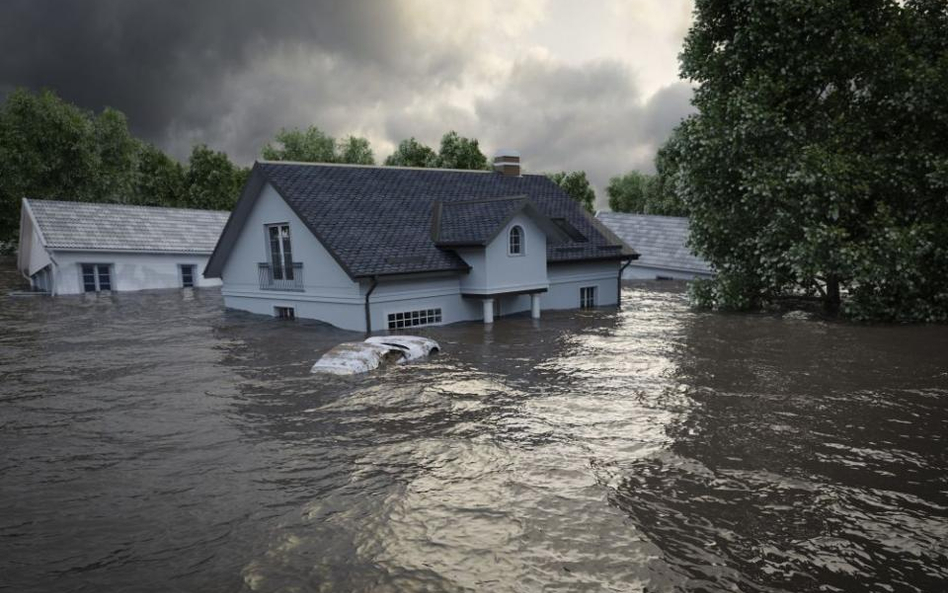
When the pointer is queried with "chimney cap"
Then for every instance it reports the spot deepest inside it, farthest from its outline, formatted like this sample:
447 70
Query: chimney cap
507 152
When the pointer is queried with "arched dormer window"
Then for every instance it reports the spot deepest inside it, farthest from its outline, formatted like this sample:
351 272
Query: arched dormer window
516 241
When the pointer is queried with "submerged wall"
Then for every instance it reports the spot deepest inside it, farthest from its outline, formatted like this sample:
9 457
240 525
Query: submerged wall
129 271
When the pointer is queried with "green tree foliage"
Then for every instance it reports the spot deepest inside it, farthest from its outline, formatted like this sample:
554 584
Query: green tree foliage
577 186
213 182
458 152
356 151
411 153
51 149
54 150
160 180
630 192
308 146
315 146
817 161
641 193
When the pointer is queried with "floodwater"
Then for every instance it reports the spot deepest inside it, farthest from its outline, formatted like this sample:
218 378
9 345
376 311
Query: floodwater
153 442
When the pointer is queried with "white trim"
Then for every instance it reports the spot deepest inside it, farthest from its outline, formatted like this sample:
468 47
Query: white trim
119 250
277 295
417 308
523 241
506 289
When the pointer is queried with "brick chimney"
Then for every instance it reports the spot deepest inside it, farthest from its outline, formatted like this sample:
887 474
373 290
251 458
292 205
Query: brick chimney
507 162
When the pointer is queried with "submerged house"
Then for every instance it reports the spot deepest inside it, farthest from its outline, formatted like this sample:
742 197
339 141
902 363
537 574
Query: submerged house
76 247
372 248
662 244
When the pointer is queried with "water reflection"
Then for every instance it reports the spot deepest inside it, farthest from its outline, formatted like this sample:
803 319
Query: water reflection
153 441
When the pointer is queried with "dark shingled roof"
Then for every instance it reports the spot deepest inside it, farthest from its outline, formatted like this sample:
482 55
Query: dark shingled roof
378 220
473 222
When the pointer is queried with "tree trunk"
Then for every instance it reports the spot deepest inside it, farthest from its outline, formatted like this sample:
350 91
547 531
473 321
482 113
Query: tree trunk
832 299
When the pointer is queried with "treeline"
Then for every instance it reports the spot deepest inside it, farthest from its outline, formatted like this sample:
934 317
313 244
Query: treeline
641 193
51 149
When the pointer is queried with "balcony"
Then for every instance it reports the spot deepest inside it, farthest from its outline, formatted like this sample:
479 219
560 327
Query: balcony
268 282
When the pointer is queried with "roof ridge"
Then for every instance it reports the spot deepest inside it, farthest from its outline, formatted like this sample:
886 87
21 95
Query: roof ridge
485 200
357 166
130 206
394 167
636 214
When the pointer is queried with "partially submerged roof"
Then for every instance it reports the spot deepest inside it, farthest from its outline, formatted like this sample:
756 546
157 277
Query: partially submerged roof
662 241
87 226
378 220
477 222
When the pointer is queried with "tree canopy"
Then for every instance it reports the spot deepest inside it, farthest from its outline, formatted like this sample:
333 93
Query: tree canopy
641 193
456 152
817 161
412 153
315 146
54 150
577 186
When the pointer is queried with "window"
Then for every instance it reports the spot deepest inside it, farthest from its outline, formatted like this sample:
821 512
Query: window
516 241
284 312
414 318
587 297
281 256
187 276
96 277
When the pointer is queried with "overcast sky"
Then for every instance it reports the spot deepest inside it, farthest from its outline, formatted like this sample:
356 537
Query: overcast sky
587 85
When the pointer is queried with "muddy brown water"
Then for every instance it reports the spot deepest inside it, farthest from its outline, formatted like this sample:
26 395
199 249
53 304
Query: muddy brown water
155 442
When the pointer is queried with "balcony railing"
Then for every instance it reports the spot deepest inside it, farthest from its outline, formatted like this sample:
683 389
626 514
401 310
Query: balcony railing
268 282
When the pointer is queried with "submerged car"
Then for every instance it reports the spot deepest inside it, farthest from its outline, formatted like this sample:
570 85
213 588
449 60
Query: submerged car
351 358
414 347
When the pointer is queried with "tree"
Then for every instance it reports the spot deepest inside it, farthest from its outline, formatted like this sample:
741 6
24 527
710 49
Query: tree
816 164
577 186
315 146
411 153
458 152
630 192
48 149
117 156
356 151
213 182
160 180
309 146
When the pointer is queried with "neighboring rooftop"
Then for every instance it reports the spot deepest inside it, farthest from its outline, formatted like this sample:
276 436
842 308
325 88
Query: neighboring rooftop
117 227
662 241
378 220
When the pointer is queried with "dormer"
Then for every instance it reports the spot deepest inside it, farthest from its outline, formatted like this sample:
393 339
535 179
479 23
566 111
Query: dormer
503 240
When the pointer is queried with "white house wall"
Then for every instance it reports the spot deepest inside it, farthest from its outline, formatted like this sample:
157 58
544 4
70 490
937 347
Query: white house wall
328 293
130 271
567 279
31 255
494 270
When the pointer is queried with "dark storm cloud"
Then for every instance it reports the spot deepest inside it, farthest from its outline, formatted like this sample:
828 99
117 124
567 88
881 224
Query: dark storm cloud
232 73
168 63
590 116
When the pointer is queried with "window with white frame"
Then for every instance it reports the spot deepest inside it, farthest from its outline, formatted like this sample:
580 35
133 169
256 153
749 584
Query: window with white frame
187 276
96 277
587 297
281 254
414 318
516 241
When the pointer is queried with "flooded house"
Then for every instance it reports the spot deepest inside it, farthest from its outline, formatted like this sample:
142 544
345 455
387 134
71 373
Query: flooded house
662 244
373 248
76 247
